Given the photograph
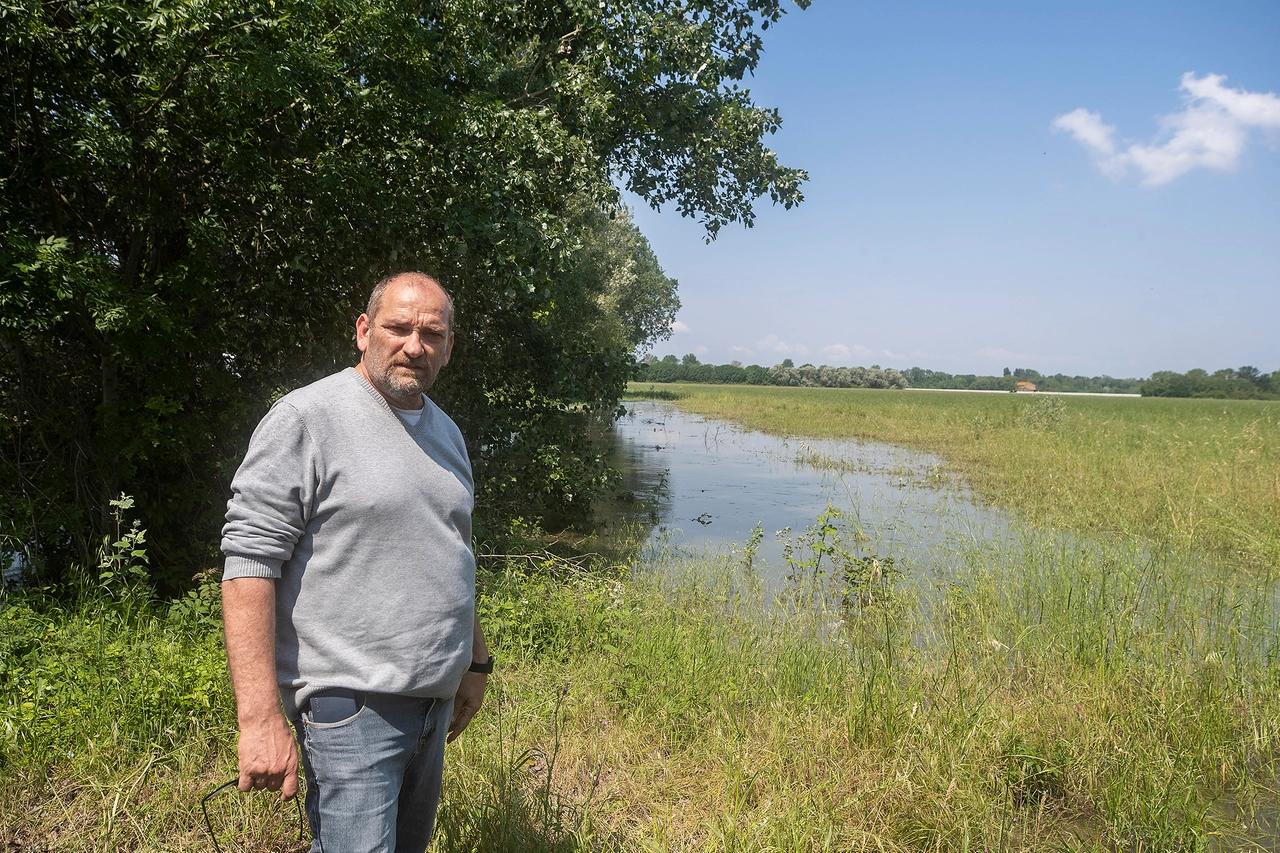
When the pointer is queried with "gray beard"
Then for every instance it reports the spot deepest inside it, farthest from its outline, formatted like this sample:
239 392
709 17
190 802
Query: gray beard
403 386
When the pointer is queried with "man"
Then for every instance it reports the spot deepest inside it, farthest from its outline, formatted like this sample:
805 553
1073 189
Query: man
349 588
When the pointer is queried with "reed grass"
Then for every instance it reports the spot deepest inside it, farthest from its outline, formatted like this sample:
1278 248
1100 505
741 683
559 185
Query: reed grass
1197 474
1049 697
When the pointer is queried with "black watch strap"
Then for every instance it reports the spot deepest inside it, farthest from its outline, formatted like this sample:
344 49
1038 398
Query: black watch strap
485 667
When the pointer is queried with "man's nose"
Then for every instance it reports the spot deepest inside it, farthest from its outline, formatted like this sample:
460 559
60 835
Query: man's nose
413 345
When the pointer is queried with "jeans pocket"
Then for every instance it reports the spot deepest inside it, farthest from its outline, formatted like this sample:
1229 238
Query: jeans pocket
312 724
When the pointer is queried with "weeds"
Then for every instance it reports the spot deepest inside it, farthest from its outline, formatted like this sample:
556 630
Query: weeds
1042 413
1058 697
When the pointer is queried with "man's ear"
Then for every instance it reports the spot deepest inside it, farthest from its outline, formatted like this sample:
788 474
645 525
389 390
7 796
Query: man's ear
362 332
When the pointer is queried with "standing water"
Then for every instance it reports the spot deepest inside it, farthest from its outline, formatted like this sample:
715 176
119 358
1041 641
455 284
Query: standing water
704 484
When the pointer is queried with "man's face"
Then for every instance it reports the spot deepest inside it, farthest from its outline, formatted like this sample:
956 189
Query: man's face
406 343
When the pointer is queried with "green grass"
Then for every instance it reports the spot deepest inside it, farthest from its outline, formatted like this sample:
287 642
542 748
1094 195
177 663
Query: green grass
1048 698
1047 692
1198 474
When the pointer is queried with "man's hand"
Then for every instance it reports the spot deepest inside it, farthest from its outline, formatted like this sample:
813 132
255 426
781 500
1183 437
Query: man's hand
466 702
268 757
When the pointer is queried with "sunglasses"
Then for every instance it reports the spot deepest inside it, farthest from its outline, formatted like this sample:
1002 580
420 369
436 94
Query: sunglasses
208 824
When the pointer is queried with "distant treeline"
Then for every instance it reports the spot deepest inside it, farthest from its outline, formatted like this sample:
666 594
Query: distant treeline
689 369
918 377
1244 383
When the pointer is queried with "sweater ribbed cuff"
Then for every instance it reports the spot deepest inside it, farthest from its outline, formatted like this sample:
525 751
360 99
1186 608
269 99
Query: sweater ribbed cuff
251 567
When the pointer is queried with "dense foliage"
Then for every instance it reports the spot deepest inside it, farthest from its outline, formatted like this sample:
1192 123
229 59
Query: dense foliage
198 195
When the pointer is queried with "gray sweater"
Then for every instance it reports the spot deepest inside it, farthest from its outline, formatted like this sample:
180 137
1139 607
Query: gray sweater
366 524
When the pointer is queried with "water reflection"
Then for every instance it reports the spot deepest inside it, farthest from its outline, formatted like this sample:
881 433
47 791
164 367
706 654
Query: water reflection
705 484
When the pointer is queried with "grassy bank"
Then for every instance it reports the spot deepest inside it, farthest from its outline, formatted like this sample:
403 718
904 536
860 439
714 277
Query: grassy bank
1198 474
1052 699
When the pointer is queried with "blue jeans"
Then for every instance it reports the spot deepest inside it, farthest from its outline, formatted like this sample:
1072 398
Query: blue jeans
373 780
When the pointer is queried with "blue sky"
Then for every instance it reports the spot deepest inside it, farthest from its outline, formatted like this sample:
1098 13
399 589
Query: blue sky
1005 185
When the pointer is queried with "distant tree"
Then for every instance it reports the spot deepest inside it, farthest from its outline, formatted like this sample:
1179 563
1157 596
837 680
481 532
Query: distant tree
670 359
806 375
1240 384
786 362
782 374
729 374
615 264
689 358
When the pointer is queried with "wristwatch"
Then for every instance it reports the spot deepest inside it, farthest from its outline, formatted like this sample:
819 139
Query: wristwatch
485 667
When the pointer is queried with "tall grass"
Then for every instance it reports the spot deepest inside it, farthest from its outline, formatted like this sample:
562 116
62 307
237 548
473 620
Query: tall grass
1045 697
113 710
1199 474
1054 698
1039 691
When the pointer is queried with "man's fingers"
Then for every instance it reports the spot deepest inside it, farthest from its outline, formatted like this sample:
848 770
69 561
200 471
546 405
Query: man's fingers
458 726
466 702
261 782
290 788
286 783
462 714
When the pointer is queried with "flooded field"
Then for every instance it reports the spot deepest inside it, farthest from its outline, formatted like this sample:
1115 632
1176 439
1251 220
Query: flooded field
1061 614
705 484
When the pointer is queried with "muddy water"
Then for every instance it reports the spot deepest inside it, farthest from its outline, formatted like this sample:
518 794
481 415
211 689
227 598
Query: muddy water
704 484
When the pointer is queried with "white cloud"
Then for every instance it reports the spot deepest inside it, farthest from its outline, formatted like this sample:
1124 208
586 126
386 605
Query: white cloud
836 351
742 350
1212 132
680 326
1099 138
773 344
700 350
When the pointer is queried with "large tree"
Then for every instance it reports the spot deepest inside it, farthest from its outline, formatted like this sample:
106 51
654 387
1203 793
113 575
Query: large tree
197 195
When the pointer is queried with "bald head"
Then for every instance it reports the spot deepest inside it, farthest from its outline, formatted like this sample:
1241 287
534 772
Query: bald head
411 279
